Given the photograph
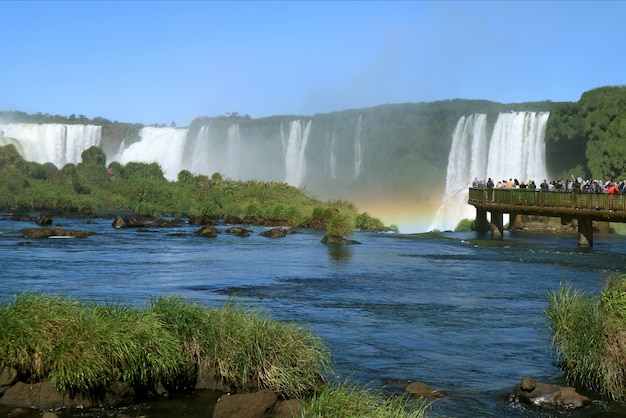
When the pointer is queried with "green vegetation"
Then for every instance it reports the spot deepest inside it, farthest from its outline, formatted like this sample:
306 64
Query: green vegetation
346 400
86 348
465 225
586 138
83 347
589 336
90 187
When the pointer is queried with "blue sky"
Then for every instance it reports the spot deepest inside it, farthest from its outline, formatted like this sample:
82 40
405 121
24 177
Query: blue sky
158 62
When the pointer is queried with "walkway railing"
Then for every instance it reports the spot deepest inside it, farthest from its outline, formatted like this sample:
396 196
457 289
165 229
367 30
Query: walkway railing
552 199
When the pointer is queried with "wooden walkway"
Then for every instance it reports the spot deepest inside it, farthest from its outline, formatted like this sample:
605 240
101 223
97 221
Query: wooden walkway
584 207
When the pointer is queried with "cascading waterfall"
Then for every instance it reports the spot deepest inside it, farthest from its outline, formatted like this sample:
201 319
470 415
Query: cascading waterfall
234 141
516 150
199 160
158 145
357 150
293 151
57 143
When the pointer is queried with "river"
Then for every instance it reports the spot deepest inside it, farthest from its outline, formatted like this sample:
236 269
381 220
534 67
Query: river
457 311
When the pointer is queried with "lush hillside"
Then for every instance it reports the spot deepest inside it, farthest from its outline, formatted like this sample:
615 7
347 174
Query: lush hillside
587 138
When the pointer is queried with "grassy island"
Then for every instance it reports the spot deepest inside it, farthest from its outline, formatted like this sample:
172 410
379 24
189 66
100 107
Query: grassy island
91 187
83 348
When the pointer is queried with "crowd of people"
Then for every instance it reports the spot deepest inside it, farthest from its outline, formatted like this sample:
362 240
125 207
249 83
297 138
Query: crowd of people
573 185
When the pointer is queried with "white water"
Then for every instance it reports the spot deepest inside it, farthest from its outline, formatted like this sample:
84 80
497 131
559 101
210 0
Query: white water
294 147
234 146
158 145
516 150
57 143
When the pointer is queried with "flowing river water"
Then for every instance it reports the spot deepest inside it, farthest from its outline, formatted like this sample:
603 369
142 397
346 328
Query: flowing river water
454 310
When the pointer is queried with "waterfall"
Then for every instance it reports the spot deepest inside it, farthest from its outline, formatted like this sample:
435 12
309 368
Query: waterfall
517 147
199 159
293 151
233 152
158 145
57 143
516 150
357 150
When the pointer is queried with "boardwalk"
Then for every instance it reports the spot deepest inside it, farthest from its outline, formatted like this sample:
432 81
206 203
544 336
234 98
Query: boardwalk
584 207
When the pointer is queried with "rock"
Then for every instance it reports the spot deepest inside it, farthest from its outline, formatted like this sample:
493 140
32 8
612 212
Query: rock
245 405
331 239
38 233
541 394
274 233
240 232
200 220
133 221
49 414
44 220
287 409
422 390
41 395
8 376
208 231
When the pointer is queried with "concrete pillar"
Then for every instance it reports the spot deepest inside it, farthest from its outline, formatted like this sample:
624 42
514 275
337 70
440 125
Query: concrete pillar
482 224
585 232
497 228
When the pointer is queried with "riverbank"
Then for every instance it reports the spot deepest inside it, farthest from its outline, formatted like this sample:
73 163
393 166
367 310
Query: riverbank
59 352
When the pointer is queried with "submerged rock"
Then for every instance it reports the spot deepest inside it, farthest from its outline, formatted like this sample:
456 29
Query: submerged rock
38 233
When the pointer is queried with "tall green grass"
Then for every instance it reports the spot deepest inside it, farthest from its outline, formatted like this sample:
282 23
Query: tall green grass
348 400
83 347
589 336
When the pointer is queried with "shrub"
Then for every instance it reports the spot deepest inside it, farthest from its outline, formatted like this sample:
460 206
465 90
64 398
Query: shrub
589 336
366 223
465 225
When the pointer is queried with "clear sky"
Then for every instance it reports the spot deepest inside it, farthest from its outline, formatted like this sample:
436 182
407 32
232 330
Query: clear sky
158 62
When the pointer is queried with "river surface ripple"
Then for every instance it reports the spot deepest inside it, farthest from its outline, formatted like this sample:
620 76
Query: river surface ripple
464 317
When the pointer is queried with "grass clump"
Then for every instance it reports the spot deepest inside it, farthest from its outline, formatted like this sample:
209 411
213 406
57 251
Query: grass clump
248 349
83 347
347 400
589 336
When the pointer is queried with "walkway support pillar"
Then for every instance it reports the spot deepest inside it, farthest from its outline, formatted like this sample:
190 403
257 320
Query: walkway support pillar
497 227
482 224
585 232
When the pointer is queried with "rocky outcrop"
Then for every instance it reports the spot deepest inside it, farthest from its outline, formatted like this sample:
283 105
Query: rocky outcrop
543 394
38 233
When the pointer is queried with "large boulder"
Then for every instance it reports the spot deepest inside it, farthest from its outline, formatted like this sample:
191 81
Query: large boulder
543 394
